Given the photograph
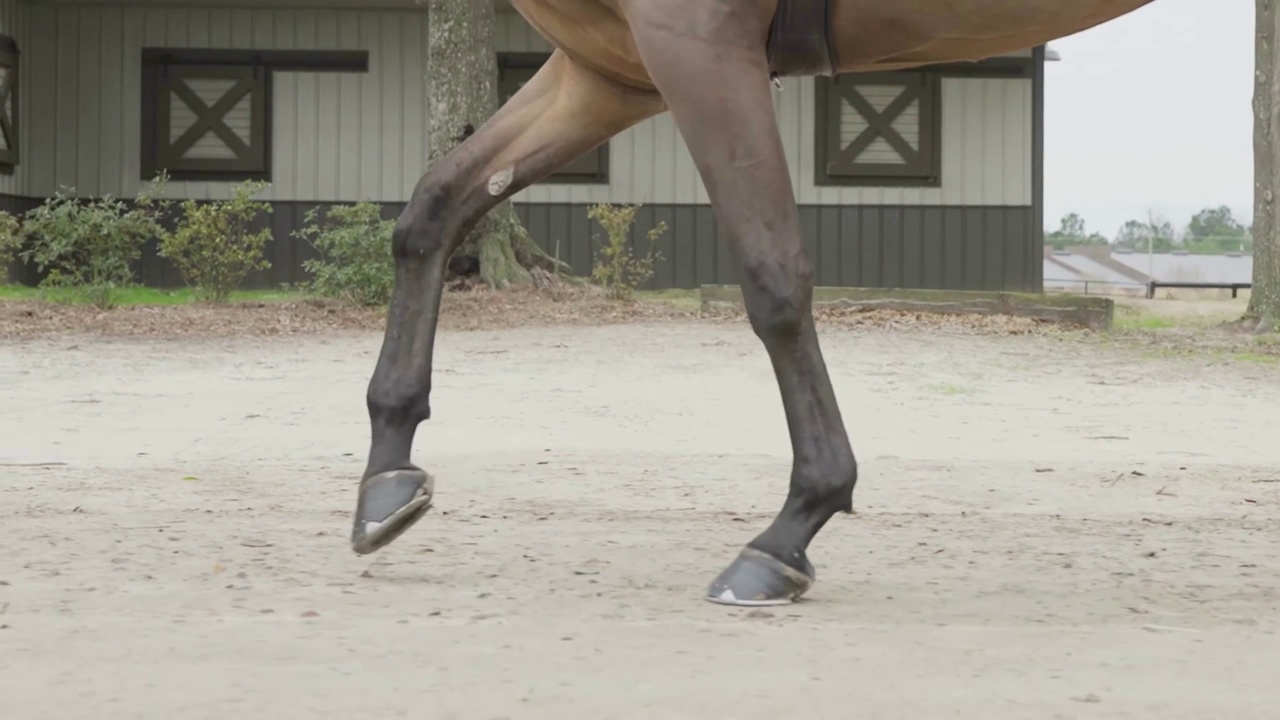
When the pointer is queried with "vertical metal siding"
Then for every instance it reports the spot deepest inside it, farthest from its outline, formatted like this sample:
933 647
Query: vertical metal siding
337 137
903 246
13 24
344 137
986 147
986 127
986 155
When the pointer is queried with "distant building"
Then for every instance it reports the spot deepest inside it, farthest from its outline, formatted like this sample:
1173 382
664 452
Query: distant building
1127 272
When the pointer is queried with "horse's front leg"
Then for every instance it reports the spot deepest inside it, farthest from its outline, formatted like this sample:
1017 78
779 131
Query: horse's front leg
561 113
711 69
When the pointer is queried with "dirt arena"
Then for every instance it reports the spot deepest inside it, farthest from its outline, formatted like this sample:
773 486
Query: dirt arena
1047 526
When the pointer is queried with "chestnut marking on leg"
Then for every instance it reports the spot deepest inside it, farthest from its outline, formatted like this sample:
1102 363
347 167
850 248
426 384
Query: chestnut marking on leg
500 181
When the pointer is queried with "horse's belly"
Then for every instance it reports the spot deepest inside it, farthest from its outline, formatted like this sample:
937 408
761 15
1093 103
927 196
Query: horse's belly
872 33
592 33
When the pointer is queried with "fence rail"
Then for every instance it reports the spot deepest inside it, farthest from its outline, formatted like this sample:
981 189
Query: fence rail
1147 289
1104 285
1235 288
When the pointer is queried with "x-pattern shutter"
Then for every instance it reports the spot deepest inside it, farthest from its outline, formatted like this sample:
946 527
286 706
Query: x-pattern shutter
9 106
212 119
883 126
591 167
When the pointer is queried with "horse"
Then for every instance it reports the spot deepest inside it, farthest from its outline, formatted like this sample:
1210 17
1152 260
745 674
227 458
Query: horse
710 64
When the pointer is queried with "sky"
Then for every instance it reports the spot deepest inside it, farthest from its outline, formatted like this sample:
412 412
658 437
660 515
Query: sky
1151 112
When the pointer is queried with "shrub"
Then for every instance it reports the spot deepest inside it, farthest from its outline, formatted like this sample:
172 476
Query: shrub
617 268
90 246
213 247
354 244
10 242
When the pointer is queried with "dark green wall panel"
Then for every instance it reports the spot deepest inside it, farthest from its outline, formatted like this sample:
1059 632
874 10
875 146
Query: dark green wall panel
18 272
970 248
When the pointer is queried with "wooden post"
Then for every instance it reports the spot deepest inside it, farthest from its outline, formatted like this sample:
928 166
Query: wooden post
1264 302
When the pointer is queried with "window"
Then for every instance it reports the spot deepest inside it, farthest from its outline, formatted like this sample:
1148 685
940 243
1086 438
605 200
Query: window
514 70
206 114
8 103
212 122
879 129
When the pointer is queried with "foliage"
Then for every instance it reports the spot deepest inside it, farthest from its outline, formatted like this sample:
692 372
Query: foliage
1219 245
139 295
213 246
1072 231
1138 235
617 268
1215 223
355 262
10 241
1214 231
90 246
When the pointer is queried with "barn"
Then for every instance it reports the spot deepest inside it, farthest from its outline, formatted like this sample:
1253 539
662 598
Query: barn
930 178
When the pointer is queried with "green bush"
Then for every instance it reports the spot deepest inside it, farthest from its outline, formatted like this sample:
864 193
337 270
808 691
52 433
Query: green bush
617 268
213 247
89 247
10 242
355 262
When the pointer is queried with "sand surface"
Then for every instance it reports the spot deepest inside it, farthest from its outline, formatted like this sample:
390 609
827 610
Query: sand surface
1045 528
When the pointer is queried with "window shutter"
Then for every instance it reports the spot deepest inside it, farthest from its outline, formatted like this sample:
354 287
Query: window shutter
212 120
880 129
9 148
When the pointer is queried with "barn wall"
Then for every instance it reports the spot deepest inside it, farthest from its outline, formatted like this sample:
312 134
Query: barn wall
13 186
345 137
352 137
899 246
986 149
12 23
958 248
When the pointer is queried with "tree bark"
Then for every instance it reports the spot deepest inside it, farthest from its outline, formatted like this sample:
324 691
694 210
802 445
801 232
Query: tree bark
1264 301
462 92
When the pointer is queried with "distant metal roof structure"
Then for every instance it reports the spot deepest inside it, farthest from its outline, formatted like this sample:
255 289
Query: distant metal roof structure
1051 55
1175 266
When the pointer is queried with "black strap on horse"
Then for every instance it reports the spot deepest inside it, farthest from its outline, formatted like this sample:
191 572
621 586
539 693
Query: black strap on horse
800 39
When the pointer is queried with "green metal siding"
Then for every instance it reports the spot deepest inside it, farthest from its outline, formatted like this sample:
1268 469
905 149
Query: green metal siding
904 246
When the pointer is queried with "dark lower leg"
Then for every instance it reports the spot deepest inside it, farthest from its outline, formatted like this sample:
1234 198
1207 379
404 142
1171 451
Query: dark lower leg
393 493
774 567
561 113
725 113
824 470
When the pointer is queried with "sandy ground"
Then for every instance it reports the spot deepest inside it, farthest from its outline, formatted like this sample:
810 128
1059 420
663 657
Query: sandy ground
1046 527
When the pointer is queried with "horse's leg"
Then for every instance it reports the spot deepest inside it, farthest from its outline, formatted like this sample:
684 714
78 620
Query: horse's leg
710 68
561 113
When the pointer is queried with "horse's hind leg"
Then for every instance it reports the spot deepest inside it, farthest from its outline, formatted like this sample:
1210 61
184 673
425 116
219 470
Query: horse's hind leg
711 69
561 113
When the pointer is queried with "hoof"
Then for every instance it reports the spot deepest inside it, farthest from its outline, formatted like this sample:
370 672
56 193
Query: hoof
389 504
755 579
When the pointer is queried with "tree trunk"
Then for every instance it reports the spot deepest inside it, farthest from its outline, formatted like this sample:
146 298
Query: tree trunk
462 91
1264 303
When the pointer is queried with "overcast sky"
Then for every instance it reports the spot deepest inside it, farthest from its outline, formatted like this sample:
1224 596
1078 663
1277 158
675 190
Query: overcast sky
1151 111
